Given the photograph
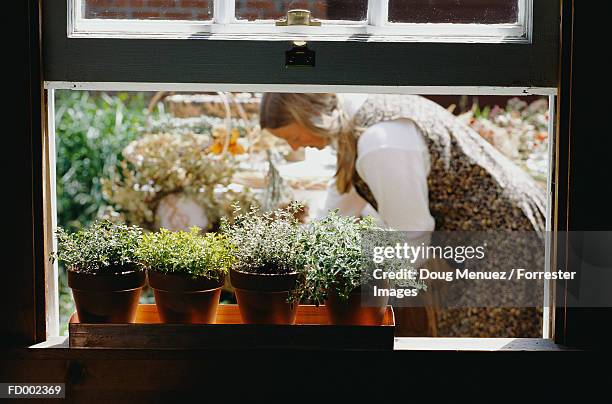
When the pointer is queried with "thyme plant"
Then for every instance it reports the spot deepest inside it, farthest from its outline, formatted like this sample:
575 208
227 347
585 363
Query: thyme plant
103 247
266 243
335 256
188 253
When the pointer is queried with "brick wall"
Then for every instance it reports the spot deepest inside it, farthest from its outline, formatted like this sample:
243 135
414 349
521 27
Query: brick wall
198 9
150 9
454 11
418 11
262 9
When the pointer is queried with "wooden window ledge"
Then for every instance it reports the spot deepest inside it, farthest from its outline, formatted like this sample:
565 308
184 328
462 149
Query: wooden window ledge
423 344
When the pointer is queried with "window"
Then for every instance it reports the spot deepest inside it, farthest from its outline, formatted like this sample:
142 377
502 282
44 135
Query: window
196 10
353 20
454 12
353 11
105 52
92 132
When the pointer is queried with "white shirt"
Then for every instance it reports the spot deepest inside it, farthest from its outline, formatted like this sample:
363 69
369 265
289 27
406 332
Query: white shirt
393 159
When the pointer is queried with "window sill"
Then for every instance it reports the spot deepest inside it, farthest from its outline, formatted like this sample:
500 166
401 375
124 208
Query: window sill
418 344
330 31
477 344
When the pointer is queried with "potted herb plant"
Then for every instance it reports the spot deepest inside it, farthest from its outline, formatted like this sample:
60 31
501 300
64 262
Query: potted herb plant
336 276
186 272
269 264
103 271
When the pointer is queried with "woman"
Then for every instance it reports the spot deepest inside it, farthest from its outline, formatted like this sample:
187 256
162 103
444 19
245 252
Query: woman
421 169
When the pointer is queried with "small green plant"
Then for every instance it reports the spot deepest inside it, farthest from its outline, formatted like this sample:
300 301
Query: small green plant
266 243
335 256
103 247
188 253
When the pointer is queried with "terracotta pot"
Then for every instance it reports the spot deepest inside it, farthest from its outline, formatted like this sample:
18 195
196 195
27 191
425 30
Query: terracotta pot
353 312
182 299
106 298
262 299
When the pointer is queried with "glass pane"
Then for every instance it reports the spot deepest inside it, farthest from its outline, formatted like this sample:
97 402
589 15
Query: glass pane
454 11
352 10
168 160
149 9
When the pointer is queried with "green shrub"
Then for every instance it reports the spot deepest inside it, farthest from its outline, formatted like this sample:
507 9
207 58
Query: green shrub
335 256
103 247
91 131
266 243
187 253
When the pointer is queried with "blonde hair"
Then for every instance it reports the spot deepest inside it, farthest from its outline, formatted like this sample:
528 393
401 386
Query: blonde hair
321 114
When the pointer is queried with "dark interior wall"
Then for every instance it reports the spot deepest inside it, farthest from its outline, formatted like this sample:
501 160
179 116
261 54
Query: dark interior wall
584 109
23 160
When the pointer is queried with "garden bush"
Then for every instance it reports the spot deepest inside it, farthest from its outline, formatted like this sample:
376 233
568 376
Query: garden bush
91 131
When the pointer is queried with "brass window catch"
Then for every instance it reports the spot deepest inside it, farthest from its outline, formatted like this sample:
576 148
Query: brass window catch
298 17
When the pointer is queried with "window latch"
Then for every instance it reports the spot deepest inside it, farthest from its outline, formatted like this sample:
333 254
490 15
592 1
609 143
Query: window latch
298 17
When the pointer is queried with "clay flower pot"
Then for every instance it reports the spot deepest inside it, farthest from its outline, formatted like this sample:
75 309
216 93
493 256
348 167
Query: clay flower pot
353 311
182 299
262 298
106 298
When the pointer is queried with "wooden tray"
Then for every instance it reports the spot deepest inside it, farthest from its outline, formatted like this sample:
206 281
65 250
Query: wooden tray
311 331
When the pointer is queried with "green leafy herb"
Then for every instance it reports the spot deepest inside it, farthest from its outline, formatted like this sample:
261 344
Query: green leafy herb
266 243
103 247
189 253
335 256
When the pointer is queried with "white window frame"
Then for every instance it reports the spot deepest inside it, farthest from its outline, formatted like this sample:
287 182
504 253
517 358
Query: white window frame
118 60
376 28
52 289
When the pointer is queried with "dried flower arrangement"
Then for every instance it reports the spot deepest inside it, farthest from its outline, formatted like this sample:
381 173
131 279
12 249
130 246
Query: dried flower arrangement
220 136
159 165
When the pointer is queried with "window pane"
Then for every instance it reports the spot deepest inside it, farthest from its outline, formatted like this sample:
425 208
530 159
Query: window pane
454 11
138 157
352 10
149 9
